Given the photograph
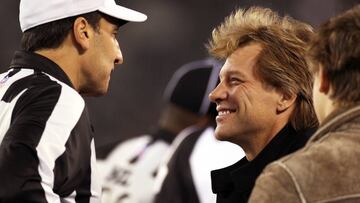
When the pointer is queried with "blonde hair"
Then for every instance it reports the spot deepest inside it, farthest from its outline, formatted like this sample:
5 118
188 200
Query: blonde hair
281 63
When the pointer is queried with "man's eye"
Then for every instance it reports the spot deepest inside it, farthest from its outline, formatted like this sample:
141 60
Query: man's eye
235 81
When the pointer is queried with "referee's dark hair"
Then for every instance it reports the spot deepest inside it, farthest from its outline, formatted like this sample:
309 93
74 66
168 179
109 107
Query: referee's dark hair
51 35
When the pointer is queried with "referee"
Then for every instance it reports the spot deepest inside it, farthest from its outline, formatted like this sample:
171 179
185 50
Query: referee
69 49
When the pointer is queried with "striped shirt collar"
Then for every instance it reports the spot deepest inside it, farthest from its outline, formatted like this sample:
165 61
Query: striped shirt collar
30 60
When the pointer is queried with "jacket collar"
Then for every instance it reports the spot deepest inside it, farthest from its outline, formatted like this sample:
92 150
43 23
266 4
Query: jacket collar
30 60
241 176
334 120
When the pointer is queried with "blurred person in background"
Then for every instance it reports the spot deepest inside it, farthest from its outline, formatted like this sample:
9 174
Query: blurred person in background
264 98
184 174
69 49
130 169
327 168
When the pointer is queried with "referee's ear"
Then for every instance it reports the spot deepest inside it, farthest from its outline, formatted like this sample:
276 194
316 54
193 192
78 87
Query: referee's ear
82 32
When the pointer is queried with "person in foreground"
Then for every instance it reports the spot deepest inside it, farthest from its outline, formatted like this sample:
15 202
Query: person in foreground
327 168
69 49
264 98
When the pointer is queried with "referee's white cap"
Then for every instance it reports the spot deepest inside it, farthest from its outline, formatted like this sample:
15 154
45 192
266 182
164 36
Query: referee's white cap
36 12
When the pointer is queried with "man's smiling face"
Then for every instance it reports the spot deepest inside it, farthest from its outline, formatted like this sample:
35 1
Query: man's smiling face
246 106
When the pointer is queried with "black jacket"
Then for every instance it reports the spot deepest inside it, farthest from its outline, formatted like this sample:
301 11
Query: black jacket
235 183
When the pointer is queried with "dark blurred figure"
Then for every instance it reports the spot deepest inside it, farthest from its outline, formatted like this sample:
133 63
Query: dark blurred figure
185 175
327 168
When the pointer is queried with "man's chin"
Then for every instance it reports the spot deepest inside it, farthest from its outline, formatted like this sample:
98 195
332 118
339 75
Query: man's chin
219 135
94 93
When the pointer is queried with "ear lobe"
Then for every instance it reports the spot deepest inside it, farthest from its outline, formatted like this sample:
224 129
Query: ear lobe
285 102
82 33
324 86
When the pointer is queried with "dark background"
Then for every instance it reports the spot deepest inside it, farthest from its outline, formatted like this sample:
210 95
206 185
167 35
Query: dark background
174 34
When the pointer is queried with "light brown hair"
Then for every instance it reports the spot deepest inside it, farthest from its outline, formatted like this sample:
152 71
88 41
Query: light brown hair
281 63
336 46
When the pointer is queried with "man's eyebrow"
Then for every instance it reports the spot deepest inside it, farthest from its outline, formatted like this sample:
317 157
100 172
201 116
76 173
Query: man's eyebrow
116 28
232 73
235 72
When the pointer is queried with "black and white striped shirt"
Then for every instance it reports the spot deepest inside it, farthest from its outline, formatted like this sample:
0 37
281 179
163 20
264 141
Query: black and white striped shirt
47 151
184 176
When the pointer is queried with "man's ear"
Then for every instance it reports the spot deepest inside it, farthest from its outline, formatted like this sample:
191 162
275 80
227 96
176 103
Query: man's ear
324 86
82 31
285 101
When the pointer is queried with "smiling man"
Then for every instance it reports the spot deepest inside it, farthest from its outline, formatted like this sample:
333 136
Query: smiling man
264 98
69 49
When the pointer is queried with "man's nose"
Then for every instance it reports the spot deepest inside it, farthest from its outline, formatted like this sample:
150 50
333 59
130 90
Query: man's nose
218 93
118 57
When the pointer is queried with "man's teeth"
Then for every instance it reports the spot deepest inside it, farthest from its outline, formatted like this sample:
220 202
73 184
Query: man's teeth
224 112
